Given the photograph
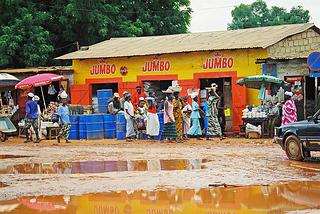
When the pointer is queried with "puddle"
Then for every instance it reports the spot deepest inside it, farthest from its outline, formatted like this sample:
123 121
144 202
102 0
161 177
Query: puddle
309 165
85 167
275 198
12 156
3 185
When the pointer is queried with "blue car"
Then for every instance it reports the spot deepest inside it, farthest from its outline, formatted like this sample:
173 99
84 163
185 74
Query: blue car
300 138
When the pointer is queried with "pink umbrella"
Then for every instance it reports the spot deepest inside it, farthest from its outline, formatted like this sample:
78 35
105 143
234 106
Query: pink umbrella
38 80
41 205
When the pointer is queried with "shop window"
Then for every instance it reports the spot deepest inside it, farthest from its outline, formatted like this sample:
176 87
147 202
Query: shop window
270 69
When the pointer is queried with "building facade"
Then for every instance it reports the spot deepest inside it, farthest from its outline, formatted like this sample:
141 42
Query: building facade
288 58
194 60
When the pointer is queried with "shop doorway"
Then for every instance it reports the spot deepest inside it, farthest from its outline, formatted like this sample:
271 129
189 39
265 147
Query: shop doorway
310 103
101 86
158 86
96 87
224 86
297 83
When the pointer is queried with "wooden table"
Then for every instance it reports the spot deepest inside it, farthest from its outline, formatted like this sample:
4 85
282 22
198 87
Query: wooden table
52 132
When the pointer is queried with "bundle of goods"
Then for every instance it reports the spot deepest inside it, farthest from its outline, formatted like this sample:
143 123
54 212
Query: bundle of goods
253 131
252 112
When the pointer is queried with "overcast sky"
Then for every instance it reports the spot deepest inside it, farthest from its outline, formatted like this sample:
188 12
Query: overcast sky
214 15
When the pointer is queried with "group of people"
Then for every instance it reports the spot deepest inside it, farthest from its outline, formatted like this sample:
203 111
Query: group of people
33 118
181 120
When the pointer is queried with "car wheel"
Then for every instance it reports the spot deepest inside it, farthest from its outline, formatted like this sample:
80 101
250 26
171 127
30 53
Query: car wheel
293 148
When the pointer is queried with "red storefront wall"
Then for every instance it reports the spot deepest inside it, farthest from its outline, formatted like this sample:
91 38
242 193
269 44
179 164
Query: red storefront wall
82 94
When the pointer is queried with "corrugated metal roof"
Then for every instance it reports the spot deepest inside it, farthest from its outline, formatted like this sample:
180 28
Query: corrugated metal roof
262 37
38 69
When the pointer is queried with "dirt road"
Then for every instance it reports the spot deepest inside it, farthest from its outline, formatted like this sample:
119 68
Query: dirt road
99 166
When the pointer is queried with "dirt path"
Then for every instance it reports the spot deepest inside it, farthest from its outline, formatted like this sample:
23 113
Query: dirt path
197 163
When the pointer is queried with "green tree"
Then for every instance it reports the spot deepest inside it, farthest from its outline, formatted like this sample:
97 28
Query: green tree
258 14
33 32
23 40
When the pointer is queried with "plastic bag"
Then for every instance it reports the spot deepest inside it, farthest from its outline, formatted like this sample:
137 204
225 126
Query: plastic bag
253 128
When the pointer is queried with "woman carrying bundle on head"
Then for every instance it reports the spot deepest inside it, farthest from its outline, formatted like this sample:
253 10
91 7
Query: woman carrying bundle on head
195 130
214 128
169 131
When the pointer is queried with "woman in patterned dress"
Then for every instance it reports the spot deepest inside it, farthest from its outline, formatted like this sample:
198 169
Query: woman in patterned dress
289 110
169 130
177 112
214 128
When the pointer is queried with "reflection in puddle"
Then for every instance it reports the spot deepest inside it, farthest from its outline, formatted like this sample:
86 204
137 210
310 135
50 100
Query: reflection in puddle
3 185
104 166
276 198
306 166
12 156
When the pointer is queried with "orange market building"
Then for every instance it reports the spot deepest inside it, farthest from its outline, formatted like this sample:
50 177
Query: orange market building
195 60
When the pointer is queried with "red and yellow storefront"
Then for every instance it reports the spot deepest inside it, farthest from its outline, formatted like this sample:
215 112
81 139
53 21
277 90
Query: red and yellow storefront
190 69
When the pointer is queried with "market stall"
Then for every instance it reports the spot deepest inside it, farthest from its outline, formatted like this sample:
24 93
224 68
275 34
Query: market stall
7 94
263 118
8 106
40 81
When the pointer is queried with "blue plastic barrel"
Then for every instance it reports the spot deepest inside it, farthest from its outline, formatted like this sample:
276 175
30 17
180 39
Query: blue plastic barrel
94 126
74 129
121 127
161 121
109 125
103 96
82 127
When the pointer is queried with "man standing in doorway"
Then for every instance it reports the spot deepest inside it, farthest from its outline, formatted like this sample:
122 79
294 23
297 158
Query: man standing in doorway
136 96
31 118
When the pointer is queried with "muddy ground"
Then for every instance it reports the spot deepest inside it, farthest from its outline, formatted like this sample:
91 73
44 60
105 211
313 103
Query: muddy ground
229 162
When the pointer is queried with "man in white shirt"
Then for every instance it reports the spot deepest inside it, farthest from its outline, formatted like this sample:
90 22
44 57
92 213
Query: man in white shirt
129 115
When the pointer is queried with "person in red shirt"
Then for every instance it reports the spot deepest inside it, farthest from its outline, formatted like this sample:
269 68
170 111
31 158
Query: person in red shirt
136 96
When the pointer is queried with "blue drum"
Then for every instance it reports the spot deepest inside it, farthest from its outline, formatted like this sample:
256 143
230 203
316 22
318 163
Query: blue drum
109 125
82 127
94 126
74 129
121 127
161 122
103 96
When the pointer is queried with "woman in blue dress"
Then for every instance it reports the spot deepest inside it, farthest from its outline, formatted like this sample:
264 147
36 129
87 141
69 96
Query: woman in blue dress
195 129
